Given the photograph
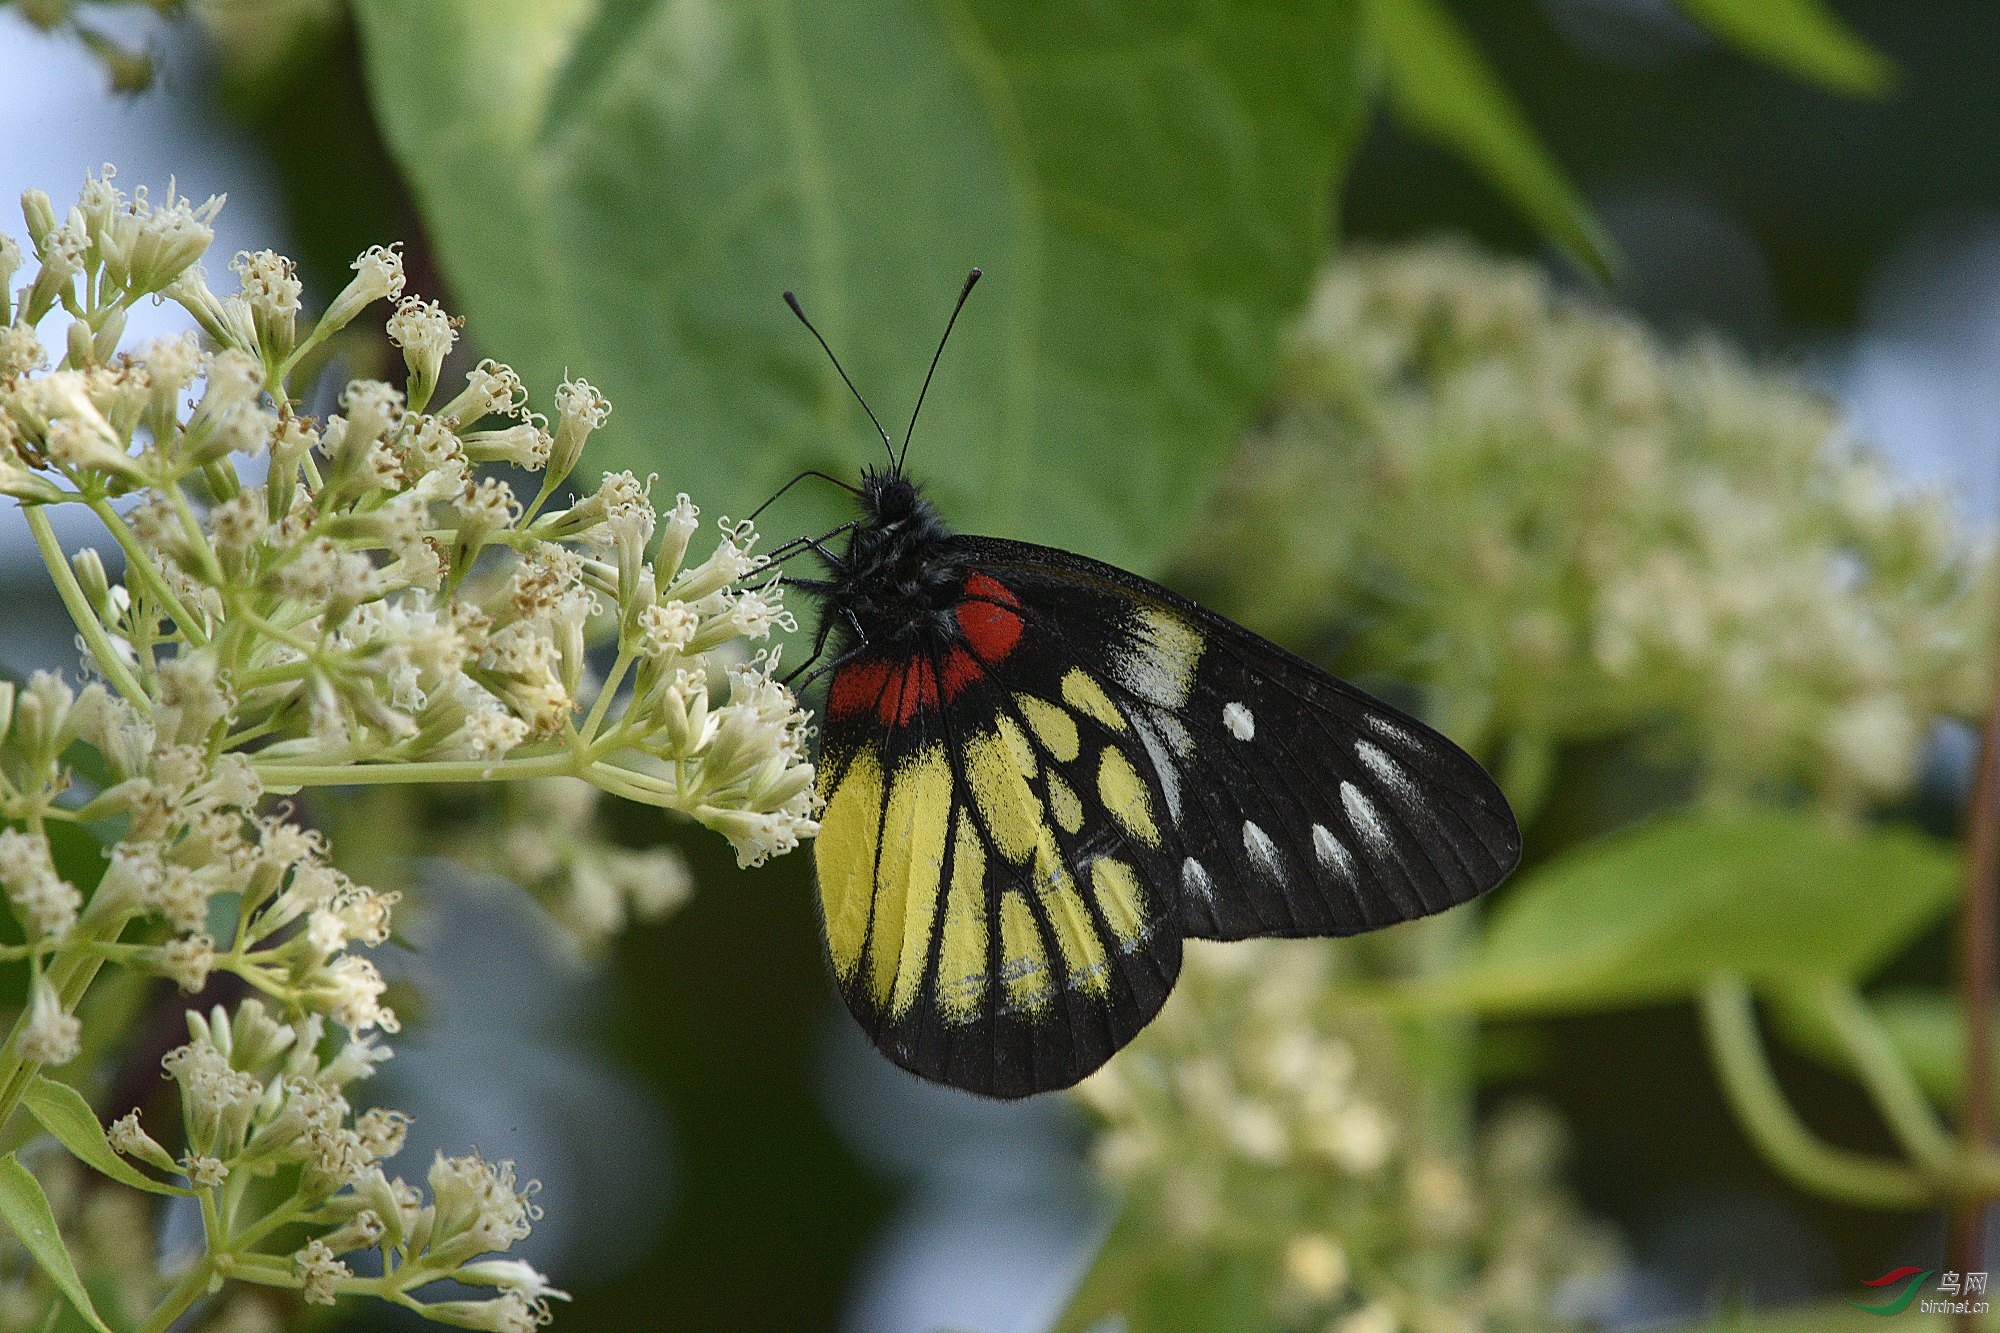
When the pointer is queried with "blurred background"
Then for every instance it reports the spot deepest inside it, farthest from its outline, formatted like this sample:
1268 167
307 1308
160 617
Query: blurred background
622 190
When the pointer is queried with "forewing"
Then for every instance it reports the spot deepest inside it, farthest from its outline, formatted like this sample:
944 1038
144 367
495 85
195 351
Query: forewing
992 924
1293 803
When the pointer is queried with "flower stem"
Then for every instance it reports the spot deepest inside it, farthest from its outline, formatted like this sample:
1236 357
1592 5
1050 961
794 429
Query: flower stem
1729 1021
139 561
282 775
183 1296
1888 1080
87 624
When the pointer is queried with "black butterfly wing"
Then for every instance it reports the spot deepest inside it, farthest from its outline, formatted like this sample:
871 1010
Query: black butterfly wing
1298 804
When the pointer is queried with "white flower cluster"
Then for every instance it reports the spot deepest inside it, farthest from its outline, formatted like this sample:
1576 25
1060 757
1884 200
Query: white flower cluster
1571 532
380 598
378 607
259 1103
1250 1124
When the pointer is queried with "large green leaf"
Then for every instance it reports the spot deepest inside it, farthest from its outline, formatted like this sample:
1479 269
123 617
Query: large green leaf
621 188
25 1211
1802 36
1441 87
1650 914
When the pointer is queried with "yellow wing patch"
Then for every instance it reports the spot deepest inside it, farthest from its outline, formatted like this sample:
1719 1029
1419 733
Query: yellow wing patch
1053 727
1063 801
1117 890
962 953
1086 696
904 859
906 884
999 782
1125 796
844 855
1024 967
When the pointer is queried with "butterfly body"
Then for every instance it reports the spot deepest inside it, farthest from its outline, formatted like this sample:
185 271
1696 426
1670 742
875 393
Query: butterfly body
1042 773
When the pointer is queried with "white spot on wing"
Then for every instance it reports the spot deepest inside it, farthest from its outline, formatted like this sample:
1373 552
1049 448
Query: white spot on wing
1333 853
1394 731
1382 766
1239 721
1263 853
1367 819
1163 767
1159 661
1179 740
1194 878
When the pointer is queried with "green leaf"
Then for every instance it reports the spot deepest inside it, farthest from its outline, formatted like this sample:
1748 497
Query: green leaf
622 190
25 1210
64 1113
1803 37
1441 87
1649 914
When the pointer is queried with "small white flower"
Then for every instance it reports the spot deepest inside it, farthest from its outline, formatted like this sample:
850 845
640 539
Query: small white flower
378 275
426 334
490 388
187 961
145 247
580 409
46 903
205 1172
50 1036
481 1200
318 1272
129 1138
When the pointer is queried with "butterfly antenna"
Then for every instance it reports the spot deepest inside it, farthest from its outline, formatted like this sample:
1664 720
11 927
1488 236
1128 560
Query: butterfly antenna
793 302
971 280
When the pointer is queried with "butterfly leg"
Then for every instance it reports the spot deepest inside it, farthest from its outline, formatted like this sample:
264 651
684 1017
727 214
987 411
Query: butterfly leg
819 646
800 545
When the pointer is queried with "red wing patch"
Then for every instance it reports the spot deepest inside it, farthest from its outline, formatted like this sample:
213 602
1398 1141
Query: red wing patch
898 690
990 627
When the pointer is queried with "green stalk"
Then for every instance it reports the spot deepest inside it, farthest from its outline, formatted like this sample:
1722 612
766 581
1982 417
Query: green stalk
87 623
1729 1021
1888 1080
183 1296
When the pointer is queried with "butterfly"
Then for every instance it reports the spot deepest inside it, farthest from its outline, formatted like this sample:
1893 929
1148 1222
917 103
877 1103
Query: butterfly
1042 773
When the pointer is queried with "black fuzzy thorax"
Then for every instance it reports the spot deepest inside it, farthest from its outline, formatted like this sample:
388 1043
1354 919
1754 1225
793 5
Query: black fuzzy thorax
900 577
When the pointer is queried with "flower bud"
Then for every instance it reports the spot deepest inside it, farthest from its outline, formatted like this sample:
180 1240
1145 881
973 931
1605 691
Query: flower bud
90 576
378 274
426 334
271 291
580 409
10 263
41 218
